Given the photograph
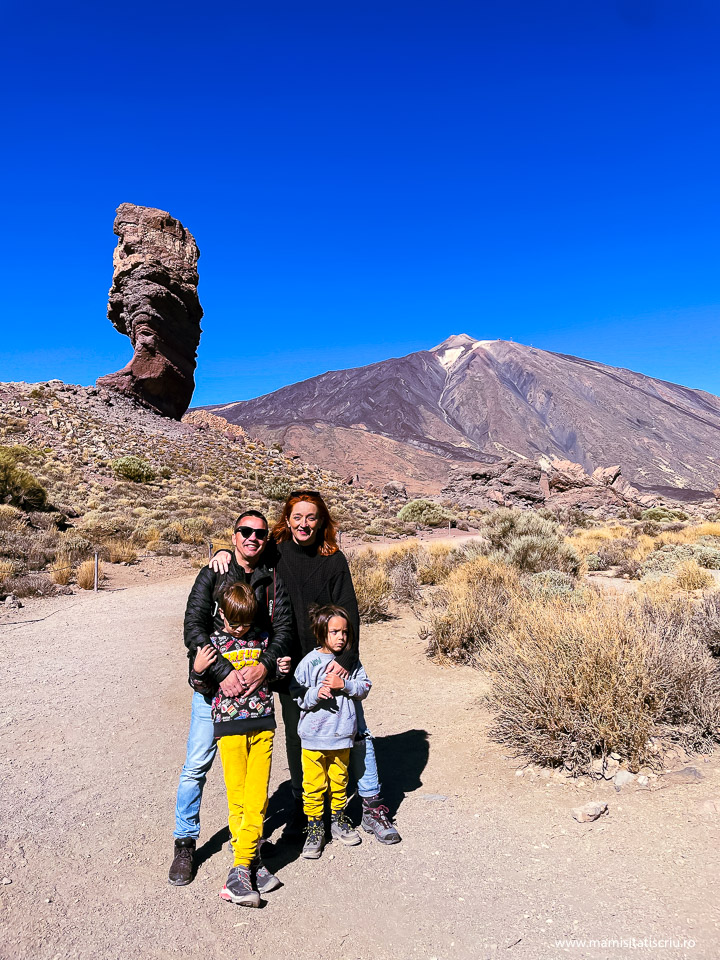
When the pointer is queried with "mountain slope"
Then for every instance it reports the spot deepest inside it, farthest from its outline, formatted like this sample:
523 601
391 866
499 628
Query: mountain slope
415 417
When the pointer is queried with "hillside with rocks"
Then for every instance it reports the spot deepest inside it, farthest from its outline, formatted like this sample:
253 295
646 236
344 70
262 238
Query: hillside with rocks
85 468
420 417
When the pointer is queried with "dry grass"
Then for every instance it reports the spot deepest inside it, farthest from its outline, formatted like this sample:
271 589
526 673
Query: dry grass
61 570
372 585
86 574
691 576
120 551
577 674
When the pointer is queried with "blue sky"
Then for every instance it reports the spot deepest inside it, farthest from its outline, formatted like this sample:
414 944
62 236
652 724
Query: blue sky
366 178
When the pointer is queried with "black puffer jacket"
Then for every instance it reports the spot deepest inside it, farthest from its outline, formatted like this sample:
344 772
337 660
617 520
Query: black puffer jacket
202 616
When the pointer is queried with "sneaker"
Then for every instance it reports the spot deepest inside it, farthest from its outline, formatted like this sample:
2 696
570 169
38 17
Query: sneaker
238 888
315 840
182 869
296 825
376 819
342 829
264 880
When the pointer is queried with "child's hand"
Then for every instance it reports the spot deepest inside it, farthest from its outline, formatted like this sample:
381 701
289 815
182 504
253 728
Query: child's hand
204 657
325 693
283 665
333 682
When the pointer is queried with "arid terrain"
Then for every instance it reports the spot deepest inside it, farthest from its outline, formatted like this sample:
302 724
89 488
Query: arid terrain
492 863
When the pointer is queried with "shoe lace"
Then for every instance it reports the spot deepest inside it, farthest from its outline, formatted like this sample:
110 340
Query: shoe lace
343 820
380 813
184 853
314 829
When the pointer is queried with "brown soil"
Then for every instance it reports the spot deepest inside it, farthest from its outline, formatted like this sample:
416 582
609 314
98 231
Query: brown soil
96 709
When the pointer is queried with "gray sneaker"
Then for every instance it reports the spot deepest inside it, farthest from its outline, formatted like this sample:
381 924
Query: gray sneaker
264 880
315 840
238 888
375 819
342 829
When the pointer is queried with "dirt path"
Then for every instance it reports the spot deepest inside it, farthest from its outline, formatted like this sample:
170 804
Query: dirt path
94 718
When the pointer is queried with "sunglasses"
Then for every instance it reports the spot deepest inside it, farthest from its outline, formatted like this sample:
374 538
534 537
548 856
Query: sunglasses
303 493
236 626
247 532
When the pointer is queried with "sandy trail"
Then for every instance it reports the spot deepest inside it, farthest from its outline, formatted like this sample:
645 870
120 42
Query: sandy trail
94 719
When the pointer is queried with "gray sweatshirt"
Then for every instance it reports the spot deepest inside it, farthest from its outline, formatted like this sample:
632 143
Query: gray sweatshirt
327 724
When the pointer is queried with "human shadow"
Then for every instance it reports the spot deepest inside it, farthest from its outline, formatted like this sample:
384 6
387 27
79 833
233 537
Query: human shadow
212 846
401 759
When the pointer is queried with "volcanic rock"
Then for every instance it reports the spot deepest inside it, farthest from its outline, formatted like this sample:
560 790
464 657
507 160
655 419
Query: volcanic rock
154 301
557 484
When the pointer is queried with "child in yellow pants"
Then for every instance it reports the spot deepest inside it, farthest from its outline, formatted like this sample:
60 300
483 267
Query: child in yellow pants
244 725
327 727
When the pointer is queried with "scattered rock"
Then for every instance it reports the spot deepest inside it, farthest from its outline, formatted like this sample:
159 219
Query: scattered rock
590 811
623 777
5 881
154 301
394 490
643 781
686 775
12 601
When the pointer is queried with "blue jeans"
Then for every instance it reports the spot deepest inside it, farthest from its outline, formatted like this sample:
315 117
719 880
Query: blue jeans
201 750
363 765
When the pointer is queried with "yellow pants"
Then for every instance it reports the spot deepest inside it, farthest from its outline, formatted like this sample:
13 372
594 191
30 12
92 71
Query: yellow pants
320 768
246 759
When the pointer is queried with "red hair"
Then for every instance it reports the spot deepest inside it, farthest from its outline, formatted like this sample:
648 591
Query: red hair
326 537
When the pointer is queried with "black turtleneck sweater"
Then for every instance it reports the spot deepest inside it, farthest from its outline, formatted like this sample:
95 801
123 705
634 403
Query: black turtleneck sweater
311 578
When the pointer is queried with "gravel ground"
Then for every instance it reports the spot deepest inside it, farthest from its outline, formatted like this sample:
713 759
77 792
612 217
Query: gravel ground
94 720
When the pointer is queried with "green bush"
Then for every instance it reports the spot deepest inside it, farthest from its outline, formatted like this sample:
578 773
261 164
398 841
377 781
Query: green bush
18 487
133 468
277 488
595 562
426 512
529 542
671 555
663 513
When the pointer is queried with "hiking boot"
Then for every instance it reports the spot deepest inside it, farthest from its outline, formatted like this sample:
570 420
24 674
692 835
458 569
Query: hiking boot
264 880
238 888
342 829
376 819
315 840
296 825
182 869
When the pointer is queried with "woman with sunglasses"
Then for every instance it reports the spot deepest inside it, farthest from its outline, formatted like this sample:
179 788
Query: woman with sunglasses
316 572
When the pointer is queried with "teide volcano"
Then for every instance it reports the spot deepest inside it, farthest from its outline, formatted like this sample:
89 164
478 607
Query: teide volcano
416 417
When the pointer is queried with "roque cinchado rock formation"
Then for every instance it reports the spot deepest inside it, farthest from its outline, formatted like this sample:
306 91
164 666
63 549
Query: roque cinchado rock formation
154 301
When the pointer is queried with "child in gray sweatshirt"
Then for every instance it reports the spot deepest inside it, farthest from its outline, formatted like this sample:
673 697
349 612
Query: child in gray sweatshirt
327 728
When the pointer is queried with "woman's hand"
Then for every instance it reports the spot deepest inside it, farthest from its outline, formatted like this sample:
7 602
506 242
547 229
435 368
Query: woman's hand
204 657
221 561
283 665
336 669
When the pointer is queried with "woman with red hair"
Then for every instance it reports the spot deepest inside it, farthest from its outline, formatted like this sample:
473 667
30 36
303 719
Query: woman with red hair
316 573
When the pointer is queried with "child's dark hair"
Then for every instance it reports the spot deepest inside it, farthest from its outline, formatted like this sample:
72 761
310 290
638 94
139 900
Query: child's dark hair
320 617
238 603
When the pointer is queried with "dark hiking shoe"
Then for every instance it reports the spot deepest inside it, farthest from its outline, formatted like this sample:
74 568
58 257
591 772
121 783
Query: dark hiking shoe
264 881
315 840
376 819
296 825
182 869
238 888
342 829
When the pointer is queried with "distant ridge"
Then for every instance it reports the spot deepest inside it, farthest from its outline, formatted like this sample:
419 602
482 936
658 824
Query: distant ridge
415 417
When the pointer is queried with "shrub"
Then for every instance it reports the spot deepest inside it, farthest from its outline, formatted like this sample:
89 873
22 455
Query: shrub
404 579
613 553
670 555
11 518
551 584
277 488
595 562
7 569
133 468
74 546
18 487
33 585
571 684
663 513
436 562
473 606
426 512
533 554
372 586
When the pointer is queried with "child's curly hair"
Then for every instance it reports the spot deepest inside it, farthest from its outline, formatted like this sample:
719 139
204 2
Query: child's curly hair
320 617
